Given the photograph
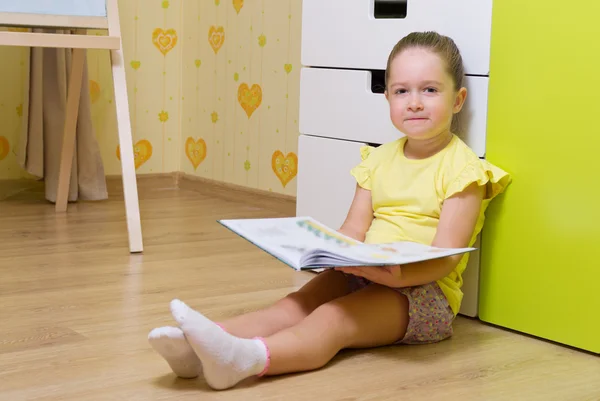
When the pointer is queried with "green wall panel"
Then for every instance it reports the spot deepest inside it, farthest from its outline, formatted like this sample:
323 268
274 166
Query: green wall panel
541 243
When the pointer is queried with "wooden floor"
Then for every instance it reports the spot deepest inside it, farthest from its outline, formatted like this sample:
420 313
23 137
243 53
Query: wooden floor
76 308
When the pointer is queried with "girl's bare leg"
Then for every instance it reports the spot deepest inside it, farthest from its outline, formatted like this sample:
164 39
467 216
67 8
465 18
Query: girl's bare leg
291 309
373 316
171 344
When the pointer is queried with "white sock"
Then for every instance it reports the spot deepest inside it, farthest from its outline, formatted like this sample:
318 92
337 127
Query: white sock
226 359
171 344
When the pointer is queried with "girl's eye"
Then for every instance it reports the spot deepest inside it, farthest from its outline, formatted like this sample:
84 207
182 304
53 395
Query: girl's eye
400 91
431 90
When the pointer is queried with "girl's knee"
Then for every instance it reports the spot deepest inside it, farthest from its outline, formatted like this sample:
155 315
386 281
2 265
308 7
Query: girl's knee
296 304
335 314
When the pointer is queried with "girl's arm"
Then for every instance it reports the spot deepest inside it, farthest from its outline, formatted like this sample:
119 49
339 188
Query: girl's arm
455 229
359 216
457 222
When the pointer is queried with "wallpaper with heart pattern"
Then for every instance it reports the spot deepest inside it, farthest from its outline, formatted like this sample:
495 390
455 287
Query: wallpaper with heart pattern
213 90
152 49
11 109
241 77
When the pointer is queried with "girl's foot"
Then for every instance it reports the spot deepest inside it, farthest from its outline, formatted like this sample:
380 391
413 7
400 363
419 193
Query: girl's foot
171 344
226 359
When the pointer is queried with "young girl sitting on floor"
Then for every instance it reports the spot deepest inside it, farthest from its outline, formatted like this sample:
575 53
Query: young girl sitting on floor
426 187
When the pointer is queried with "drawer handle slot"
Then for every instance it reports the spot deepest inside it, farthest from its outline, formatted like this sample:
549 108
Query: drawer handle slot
395 9
378 81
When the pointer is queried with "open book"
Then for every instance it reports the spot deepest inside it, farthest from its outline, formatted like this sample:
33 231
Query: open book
305 244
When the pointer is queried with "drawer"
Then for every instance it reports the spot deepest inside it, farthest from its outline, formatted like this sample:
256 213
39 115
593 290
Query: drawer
326 189
348 34
340 104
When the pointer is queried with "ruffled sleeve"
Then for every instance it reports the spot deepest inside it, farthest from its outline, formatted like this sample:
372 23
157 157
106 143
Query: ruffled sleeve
483 173
363 171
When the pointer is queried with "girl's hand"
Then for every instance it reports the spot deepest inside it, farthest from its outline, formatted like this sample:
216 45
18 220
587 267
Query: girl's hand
389 276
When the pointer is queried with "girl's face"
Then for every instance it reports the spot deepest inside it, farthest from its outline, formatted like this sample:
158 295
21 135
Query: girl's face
421 94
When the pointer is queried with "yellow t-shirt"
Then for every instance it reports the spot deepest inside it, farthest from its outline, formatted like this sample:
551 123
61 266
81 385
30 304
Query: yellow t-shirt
408 195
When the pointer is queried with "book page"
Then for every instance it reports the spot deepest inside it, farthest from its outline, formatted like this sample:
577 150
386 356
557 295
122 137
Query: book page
290 238
303 242
397 253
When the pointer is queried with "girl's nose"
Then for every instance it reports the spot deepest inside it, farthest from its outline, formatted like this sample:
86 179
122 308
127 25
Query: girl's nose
415 103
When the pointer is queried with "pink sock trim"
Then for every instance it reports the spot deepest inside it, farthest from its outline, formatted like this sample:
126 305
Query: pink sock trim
268 362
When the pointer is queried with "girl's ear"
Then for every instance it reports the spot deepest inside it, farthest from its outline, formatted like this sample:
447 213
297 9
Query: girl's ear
385 92
460 100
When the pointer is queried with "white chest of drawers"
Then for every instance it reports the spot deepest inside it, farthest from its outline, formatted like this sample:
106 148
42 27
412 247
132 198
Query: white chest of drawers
345 46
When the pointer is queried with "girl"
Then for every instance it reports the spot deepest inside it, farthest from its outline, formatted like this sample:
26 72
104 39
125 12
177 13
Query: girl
426 187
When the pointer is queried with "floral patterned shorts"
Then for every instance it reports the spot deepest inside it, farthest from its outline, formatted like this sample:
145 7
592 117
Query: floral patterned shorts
430 315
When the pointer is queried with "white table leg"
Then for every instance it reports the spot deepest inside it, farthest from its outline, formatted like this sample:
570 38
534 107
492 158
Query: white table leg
132 208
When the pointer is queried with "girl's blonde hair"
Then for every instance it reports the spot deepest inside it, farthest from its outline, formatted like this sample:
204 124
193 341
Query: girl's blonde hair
441 45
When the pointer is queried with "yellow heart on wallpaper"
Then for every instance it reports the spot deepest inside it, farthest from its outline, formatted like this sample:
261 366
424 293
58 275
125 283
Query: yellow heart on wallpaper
198 63
238 4
164 41
284 167
195 151
94 91
250 98
142 152
135 64
287 68
4 147
216 37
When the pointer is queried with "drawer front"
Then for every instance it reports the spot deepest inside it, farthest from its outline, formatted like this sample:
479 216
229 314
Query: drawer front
325 187
346 33
340 104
